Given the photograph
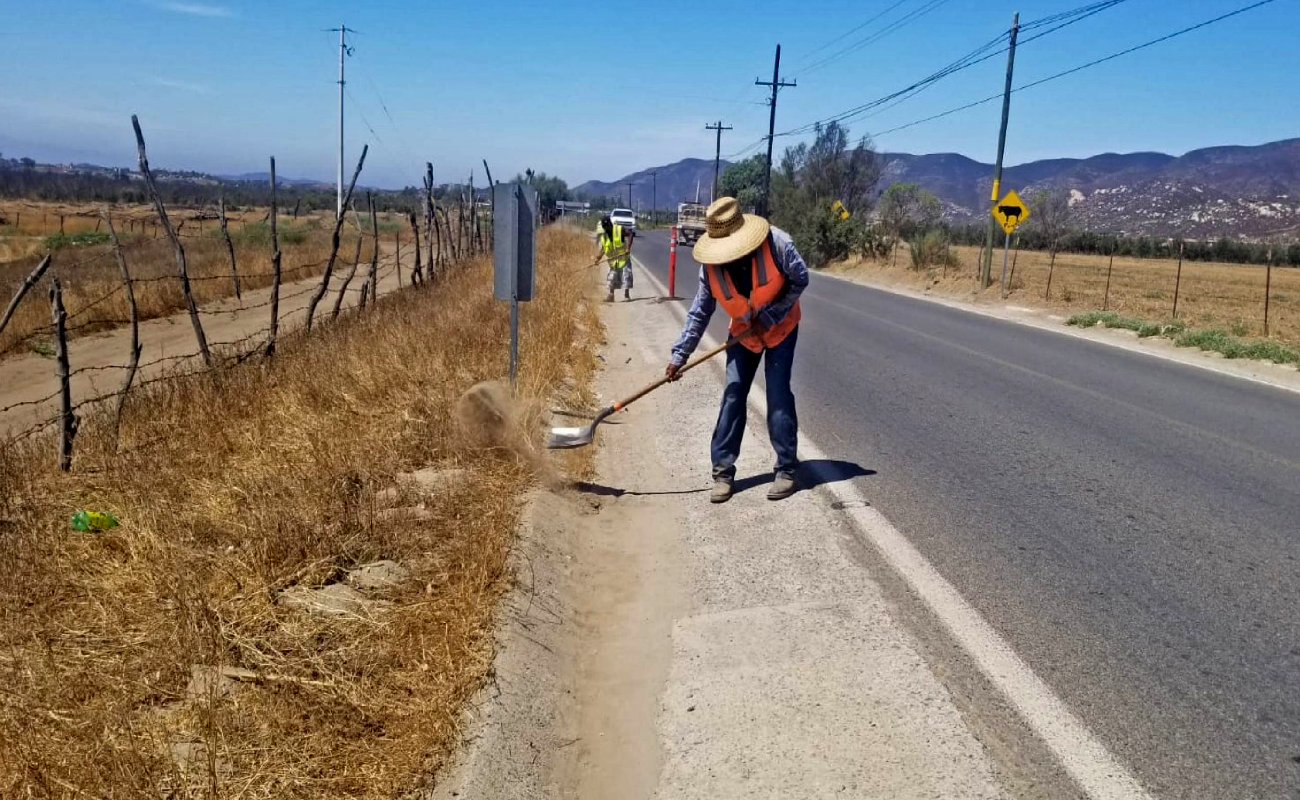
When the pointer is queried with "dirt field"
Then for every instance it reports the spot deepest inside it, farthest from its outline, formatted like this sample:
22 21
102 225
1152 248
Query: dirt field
92 280
1211 295
190 651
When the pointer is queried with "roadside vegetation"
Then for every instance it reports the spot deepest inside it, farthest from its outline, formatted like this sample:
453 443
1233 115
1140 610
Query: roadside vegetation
162 657
1215 340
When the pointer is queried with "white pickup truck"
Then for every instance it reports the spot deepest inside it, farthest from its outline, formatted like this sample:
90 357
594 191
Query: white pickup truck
624 217
690 222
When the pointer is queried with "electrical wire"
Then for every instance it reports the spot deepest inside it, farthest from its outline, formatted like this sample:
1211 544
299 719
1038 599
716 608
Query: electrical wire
896 25
848 33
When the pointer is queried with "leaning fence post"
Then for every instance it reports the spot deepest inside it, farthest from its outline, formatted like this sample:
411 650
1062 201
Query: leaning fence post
356 259
431 218
67 420
1268 284
417 276
176 243
275 271
334 243
492 198
1178 278
135 327
374 250
27 284
230 247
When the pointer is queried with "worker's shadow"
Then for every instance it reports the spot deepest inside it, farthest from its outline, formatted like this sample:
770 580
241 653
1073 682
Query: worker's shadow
812 474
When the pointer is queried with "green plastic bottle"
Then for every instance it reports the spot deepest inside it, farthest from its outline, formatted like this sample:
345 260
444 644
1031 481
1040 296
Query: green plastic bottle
93 521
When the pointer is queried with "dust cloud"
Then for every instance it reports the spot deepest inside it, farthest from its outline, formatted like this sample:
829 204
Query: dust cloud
490 416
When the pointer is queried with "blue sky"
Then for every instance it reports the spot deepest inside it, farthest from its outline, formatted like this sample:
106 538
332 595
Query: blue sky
588 90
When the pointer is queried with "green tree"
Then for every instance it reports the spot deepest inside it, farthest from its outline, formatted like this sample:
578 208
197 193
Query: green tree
905 209
743 180
550 189
811 178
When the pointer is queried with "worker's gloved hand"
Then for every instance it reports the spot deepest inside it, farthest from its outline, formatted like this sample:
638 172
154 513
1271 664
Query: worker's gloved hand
673 371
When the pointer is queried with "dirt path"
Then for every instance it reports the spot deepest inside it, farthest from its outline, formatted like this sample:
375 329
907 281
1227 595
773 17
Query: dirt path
695 651
29 379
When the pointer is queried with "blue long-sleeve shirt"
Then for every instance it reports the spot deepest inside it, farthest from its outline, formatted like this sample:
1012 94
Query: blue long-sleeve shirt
791 265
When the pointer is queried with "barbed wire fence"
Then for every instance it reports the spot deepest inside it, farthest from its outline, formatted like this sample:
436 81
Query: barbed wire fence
448 244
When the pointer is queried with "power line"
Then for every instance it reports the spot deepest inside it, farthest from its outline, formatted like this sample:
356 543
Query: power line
898 24
1081 67
849 32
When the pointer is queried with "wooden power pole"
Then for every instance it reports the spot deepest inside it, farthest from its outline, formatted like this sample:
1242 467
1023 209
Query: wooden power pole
986 271
717 154
776 83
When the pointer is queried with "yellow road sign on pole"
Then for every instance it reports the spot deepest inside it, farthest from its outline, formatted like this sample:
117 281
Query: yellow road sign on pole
1010 211
840 210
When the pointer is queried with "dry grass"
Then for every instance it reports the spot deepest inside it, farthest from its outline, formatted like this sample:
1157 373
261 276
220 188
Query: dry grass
274 484
1229 296
89 273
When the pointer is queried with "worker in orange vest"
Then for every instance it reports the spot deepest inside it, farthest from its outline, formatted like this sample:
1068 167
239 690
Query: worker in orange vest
755 273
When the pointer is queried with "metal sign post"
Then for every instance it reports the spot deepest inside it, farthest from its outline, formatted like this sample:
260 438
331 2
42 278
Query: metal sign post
514 254
1009 212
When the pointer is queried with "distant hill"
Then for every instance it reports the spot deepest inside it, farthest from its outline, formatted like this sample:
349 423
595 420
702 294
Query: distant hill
265 177
1249 191
676 183
1216 191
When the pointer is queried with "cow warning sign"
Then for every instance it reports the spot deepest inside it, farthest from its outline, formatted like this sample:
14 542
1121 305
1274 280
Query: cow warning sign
1010 211
838 209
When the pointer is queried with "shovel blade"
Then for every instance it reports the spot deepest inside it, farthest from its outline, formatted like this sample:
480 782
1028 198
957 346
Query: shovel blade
569 438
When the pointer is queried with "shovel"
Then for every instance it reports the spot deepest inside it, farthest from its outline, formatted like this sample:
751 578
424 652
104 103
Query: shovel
568 438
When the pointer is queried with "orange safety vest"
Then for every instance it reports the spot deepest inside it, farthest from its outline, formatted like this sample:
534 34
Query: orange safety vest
767 285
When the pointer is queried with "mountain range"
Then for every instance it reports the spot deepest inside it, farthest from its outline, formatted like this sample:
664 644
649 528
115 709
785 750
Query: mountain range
1248 191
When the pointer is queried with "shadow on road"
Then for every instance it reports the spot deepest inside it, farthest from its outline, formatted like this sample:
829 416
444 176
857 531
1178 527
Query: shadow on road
600 490
811 474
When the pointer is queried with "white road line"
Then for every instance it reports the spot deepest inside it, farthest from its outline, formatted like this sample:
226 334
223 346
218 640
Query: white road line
1097 772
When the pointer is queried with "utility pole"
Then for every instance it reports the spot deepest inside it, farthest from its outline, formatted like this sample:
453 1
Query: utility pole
986 269
654 195
344 50
629 193
776 84
717 153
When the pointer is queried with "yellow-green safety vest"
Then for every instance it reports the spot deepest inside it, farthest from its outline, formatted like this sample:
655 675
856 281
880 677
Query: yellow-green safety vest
613 245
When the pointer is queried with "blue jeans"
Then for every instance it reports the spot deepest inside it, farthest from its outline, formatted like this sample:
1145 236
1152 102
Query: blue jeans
782 422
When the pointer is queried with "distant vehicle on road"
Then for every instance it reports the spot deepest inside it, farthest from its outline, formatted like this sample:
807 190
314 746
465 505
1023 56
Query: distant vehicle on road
624 217
690 222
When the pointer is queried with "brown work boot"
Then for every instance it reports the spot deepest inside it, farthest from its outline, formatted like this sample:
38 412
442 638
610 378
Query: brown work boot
721 491
782 487
609 298
627 294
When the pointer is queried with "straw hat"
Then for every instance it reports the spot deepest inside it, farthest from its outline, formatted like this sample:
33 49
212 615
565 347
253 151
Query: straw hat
729 234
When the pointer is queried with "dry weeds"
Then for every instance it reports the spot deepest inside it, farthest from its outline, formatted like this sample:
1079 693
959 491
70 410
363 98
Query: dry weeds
234 487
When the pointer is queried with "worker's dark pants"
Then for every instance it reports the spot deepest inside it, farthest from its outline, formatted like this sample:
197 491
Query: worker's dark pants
782 422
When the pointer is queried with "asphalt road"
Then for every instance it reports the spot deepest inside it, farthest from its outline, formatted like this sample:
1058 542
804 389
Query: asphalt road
1130 525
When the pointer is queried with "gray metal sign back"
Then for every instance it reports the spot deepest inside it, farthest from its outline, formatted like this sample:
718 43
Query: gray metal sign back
514 234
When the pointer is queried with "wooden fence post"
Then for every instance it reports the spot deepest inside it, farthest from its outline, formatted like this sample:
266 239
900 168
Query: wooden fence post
230 247
1268 285
135 327
417 276
492 200
27 284
374 250
296 205
453 251
334 243
431 219
67 420
356 259
1178 278
1051 267
176 243
275 270
397 259
1105 303
60 224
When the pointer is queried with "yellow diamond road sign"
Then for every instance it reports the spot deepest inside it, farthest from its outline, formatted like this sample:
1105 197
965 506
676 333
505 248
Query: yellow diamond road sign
840 210
1010 211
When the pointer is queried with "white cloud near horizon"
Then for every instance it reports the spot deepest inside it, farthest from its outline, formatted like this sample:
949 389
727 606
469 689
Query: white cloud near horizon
182 85
196 9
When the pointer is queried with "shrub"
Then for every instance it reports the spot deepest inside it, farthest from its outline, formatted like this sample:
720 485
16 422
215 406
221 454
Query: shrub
59 240
931 249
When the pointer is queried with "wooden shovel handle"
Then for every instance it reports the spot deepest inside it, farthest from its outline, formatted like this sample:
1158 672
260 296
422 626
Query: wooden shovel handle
695 362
